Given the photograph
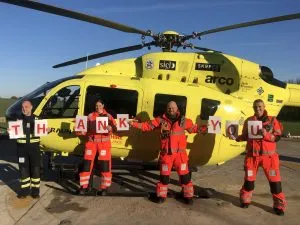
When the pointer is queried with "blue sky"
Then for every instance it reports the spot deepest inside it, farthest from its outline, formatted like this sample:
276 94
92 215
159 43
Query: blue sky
31 42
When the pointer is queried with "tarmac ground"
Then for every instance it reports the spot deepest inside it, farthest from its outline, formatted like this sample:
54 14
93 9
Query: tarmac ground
216 196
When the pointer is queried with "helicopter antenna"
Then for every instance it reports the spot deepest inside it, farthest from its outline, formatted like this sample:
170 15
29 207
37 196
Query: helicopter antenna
87 59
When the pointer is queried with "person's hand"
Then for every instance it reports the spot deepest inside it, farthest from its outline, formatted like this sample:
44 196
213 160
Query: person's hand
262 132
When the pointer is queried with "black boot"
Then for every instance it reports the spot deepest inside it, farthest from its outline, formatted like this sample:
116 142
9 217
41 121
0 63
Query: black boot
35 192
279 212
245 205
21 196
103 192
153 198
23 193
188 201
82 191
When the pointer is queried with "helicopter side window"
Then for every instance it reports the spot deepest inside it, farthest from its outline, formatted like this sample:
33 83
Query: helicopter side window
116 100
208 108
64 104
161 101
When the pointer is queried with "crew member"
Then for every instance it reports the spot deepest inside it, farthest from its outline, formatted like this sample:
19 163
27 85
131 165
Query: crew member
262 152
173 150
98 143
29 154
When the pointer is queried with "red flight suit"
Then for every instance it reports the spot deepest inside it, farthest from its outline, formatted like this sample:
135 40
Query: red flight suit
173 151
262 152
97 143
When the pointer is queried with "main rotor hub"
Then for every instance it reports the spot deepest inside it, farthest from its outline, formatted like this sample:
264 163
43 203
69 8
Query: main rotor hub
168 40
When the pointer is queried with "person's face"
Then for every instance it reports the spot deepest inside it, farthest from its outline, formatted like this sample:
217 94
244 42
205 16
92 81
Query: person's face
259 108
26 108
172 109
99 107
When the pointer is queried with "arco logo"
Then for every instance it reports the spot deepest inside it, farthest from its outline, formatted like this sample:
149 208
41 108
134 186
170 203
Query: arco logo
220 80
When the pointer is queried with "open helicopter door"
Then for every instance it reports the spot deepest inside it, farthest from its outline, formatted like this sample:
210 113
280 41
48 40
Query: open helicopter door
118 99
60 107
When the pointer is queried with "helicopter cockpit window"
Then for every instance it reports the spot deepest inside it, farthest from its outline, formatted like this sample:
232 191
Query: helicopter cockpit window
35 96
161 101
208 108
116 100
64 104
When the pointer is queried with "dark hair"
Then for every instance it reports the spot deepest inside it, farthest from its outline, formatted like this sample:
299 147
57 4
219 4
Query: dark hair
26 100
257 101
99 100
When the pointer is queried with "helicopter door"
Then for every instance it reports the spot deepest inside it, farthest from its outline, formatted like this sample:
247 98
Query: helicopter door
117 100
60 110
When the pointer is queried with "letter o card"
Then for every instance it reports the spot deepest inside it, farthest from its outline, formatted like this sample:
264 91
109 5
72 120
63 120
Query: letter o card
214 125
81 123
16 129
40 128
232 128
122 122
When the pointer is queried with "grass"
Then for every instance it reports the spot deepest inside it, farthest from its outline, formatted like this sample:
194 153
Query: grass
292 127
4 104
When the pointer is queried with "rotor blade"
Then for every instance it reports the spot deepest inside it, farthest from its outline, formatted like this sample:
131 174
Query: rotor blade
246 24
75 15
205 49
103 54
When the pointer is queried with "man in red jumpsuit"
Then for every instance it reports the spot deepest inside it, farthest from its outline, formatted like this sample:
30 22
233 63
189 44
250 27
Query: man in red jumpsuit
98 143
262 152
173 150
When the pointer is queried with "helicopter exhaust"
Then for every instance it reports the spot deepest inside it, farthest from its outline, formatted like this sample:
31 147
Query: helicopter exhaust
294 95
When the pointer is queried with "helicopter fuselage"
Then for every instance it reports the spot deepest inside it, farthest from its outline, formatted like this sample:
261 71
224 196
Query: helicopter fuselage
203 85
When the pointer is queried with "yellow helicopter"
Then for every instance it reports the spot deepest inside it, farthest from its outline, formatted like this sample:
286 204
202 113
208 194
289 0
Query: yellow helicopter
205 83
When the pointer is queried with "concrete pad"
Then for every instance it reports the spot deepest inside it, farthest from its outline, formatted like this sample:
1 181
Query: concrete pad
128 202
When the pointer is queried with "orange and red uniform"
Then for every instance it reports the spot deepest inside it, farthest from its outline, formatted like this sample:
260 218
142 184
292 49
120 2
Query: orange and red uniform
97 143
262 152
173 151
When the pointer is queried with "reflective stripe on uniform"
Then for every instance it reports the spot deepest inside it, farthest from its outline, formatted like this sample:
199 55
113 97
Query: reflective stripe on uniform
35 185
84 182
25 185
22 141
82 178
162 194
105 178
263 152
246 197
106 184
35 179
103 139
25 180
